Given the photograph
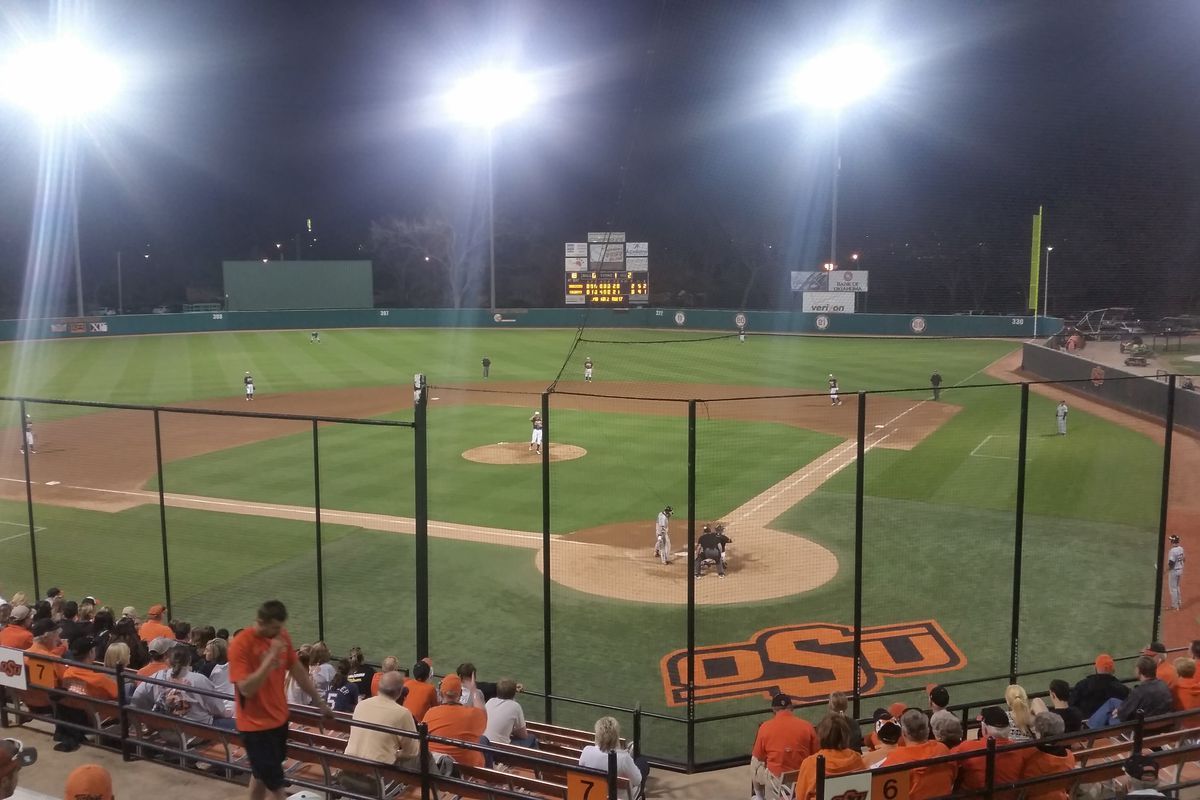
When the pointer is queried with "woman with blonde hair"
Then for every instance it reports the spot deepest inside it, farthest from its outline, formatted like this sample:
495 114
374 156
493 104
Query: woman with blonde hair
117 655
216 652
320 669
608 740
840 704
1020 716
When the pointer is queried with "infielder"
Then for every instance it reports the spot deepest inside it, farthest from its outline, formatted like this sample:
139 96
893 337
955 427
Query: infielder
587 369
662 536
1060 414
742 334
1175 559
834 400
535 440
28 428
711 546
249 382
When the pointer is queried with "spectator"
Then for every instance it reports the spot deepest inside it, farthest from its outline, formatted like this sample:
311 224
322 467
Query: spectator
201 636
125 630
420 695
886 738
319 668
1186 690
13 756
453 720
1138 778
296 694
361 674
782 743
102 627
129 612
18 599
87 613
159 649
608 740
117 655
383 709
390 664
179 702
16 632
42 674
1020 717
1060 694
893 713
924 782
223 633
506 718
1193 651
1151 696
217 653
833 734
947 730
181 631
939 699
839 704
89 782
1096 689
5 613
69 626
153 628
42 610
1047 758
54 593
994 724
86 681
1164 671
475 692
342 694
259 658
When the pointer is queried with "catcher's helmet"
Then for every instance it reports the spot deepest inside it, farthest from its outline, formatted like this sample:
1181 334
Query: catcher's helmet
1174 539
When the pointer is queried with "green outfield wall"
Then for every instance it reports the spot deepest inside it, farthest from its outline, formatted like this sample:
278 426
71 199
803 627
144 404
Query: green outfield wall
278 285
916 325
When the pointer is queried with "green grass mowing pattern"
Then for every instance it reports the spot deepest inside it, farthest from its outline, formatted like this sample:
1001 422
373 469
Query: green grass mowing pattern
634 465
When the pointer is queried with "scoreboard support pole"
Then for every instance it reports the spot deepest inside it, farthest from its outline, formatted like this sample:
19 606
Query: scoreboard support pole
547 617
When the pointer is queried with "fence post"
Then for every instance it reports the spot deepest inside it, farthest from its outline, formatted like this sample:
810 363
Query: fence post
423 739
691 590
820 775
547 616
612 774
1014 642
123 714
1139 732
989 769
637 731
37 589
317 520
1164 503
421 521
860 480
162 513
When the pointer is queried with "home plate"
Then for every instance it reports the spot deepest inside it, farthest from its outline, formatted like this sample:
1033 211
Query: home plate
53 483
437 398
878 426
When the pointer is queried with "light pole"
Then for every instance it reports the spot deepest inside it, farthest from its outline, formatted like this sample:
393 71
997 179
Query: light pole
120 294
487 99
279 248
1046 294
833 81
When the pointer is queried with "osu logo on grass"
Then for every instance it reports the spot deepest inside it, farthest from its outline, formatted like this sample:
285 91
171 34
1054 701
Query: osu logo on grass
810 661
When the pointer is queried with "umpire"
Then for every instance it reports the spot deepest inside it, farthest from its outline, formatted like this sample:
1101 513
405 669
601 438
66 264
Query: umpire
935 380
711 545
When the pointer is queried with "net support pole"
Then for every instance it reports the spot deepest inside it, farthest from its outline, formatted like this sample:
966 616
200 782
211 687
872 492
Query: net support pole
317 521
1014 642
860 480
691 590
421 509
37 589
547 616
162 512
1164 504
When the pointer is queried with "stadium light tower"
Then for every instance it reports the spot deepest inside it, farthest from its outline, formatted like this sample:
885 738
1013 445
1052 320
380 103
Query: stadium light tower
488 99
833 81
60 83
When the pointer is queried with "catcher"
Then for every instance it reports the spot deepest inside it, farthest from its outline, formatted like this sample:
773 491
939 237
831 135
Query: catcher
711 547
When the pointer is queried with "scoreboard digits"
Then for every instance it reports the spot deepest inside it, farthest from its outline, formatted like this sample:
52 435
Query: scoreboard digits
607 288
607 270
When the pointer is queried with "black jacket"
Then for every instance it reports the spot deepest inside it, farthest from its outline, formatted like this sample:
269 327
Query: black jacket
1092 692
1151 697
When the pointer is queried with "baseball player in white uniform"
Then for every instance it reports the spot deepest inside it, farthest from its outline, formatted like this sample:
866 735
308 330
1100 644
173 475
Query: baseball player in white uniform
834 400
249 382
535 440
1060 414
28 434
662 536
587 369
1175 559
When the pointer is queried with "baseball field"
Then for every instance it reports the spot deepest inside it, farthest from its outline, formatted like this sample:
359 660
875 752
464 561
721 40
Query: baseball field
774 460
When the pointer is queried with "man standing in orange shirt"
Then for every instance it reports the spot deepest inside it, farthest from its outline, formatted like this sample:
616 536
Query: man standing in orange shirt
782 744
931 781
260 657
153 627
453 720
994 723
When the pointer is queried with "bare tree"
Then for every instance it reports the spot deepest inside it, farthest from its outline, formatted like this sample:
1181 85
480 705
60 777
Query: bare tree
414 247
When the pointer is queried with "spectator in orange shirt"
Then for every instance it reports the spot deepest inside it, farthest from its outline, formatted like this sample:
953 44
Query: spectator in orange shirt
833 734
1047 758
972 771
420 695
886 737
453 720
1164 671
782 744
1186 690
924 782
42 674
389 664
82 678
158 650
153 627
16 632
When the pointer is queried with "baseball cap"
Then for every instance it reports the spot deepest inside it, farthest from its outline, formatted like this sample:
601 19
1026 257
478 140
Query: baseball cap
1141 768
1105 663
781 700
1155 649
161 646
939 696
87 598
1174 539
994 717
19 613
14 755
888 731
129 611
89 782
451 686
896 709
43 626
82 646
156 610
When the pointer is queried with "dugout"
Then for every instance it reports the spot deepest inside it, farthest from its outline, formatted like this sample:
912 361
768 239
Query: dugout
297 285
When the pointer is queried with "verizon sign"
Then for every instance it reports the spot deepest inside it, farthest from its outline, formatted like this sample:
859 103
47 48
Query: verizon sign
844 280
828 302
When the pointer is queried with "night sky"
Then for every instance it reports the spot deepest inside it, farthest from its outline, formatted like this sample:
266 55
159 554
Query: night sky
243 118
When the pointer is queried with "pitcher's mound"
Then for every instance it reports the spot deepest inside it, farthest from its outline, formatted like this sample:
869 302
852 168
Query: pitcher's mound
519 453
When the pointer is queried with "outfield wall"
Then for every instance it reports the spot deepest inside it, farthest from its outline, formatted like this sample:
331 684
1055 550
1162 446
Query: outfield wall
917 325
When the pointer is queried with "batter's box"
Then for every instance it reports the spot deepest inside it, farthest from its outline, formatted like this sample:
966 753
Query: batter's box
1005 446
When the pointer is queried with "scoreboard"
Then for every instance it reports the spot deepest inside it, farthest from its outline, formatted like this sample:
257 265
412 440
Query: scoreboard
606 270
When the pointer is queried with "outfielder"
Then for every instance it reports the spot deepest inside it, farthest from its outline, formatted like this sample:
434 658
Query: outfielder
249 382
535 440
314 337
587 369
834 400
1175 559
1060 414
28 433
711 547
662 536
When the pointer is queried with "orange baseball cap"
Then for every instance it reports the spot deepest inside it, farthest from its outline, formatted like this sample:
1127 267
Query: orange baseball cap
89 782
451 686
1105 663
156 610
896 709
